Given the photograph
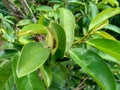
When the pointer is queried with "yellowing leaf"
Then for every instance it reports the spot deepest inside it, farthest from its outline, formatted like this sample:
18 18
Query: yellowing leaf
105 35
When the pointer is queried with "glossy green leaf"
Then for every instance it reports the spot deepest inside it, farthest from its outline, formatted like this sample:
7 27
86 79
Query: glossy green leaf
46 75
102 16
33 55
29 82
5 76
67 21
106 56
113 28
105 35
59 40
24 22
108 46
94 66
33 29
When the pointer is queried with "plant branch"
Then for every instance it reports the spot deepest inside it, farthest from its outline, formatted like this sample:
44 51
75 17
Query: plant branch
29 9
81 86
13 9
16 15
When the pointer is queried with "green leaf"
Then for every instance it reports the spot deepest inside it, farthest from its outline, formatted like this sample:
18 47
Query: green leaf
103 24
23 22
46 75
33 55
113 28
103 6
29 82
105 35
67 21
112 2
41 19
6 45
6 77
1 16
94 66
33 29
118 86
59 40
108 46
98 20
93 9
8 53
9 21
10 84
59 78
25 39
106 56
8 37
44 8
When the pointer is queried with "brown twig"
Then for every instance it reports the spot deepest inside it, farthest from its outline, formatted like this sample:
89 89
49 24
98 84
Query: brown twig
81 86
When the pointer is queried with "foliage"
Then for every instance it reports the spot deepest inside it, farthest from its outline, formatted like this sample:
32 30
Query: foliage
60 45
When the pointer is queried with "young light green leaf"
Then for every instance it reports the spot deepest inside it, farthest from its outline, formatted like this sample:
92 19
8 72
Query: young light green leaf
101 17
105 35
59 40
113 28
44 8
25 39
111 47
29 82
33 29
33 55
67 21
46 75
94 66
24 22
